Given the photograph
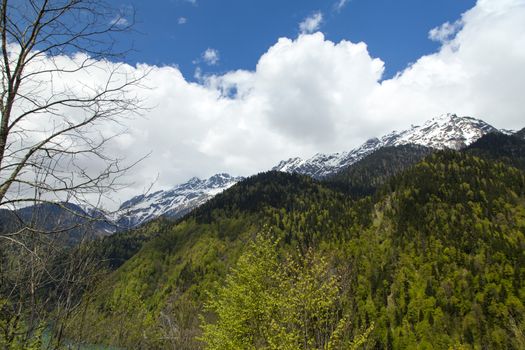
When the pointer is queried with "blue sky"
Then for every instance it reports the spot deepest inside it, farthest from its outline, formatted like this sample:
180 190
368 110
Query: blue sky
178 32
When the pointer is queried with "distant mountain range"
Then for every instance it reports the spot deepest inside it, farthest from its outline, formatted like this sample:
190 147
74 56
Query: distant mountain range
445 131
69 222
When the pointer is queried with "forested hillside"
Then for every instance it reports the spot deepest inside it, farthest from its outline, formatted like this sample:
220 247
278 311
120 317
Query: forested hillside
497 146
433 260
366 176
521 133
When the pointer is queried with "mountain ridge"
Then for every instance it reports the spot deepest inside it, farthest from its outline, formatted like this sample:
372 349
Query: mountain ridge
173 203
445 131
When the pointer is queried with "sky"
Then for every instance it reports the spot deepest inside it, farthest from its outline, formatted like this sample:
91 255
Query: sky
220 36
236 86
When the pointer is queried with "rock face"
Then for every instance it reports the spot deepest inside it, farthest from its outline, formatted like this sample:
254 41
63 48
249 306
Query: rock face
445 131
172 203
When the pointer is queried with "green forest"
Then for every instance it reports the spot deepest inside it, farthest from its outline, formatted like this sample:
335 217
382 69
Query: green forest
409 248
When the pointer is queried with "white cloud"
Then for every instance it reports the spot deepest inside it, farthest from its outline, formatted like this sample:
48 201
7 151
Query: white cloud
312 95
182 20
340 4
304 99
311 23
477 72
211 57
445 31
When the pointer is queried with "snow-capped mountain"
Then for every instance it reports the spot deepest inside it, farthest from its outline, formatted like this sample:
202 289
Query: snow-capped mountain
172 203
445 131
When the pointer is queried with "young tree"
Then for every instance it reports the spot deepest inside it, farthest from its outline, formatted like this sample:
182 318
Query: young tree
273 302
62 94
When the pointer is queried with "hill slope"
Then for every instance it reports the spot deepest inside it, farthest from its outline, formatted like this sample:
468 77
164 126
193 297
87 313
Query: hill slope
367 175
520 134
435 258
68 222
507 148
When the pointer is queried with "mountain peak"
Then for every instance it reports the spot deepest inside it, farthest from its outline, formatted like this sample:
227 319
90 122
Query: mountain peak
220 177
446 117
194 180
174 202
444 131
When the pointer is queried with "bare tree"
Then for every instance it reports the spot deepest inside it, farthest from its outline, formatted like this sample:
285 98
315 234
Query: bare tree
50 117
63 98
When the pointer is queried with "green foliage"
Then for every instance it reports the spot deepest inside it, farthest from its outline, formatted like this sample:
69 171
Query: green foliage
367 175
14 334
116 249
498 146
152 301
273 302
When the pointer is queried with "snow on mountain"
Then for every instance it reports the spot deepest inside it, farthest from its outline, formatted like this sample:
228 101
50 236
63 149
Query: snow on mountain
172 203
445 131
321 165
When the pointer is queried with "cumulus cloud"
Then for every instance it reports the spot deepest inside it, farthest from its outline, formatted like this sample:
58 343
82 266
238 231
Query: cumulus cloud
309 95
311 23
304 99
211 56
182 20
